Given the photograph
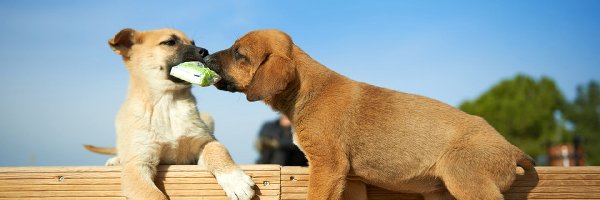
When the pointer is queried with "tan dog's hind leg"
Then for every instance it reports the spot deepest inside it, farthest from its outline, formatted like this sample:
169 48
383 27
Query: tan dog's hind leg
355 190
138 175
236 184
472 187
468 174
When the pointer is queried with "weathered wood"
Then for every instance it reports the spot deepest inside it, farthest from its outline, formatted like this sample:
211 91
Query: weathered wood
178 182
546 183
183 182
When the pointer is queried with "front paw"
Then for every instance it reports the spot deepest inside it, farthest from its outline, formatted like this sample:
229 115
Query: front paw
114 161
237 185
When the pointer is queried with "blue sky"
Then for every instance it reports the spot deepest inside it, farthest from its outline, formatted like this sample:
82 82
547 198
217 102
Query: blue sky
61 84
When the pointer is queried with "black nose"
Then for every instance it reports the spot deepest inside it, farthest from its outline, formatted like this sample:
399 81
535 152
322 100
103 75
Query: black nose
203 52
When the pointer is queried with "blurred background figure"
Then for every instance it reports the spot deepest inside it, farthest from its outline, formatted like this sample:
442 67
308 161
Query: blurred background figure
566 154
276 146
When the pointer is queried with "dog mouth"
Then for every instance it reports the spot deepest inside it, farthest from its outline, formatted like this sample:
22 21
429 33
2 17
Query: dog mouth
226 85
175 79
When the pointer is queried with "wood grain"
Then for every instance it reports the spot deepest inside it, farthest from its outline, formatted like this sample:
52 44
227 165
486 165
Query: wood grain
183 182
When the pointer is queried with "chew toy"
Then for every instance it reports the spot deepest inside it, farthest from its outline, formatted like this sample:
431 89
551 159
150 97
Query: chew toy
196 73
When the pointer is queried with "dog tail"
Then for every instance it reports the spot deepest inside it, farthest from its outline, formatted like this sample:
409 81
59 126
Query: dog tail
525 161
101 150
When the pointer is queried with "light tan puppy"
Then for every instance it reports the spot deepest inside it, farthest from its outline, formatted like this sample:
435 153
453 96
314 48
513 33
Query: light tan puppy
398 141
159 123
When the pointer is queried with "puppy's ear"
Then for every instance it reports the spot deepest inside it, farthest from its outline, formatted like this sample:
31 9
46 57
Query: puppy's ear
272 77
122 41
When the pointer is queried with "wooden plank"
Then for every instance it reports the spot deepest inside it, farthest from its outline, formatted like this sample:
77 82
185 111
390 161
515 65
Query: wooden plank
540 170
61 169
182 182
292 196
556 183
564 170
588 176
117 193
171 168
294 189
52 175
114 187
378 193
169 180
291 187
108 181
65 198
294 170
117 187
218 192
294 183
295 177
555 189
552 196
559 177
123 198
15 194
219 198
95 182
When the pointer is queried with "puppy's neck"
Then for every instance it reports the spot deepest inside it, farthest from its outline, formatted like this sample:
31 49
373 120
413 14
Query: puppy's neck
311 79
141 90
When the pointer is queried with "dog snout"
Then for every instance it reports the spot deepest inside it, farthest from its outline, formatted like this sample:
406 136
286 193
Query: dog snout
211 64
202 51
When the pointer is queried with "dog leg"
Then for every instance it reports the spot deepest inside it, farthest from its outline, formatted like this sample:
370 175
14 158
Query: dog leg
465 180
327 178
114 161
439 195
472 187
138 175
236 184
355 190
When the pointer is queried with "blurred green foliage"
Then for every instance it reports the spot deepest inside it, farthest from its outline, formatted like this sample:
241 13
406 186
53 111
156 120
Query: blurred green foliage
584 114
533 113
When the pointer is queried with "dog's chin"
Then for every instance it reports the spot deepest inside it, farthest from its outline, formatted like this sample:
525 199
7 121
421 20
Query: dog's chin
226 85
173 86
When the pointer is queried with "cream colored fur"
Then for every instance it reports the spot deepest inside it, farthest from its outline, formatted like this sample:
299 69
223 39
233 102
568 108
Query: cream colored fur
159 122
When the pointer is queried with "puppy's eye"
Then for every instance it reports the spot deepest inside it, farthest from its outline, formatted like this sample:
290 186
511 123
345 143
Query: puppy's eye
169 43
238 56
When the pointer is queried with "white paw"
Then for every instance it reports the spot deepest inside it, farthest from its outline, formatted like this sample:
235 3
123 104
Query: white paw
114 161
237 185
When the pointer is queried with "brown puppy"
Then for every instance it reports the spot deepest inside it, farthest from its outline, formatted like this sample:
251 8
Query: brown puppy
394 140
159 123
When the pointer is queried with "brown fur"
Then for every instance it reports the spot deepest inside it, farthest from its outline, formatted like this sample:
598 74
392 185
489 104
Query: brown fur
390 139
159 123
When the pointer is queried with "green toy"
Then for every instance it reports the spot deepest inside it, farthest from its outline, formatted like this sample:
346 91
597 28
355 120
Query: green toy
196 73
